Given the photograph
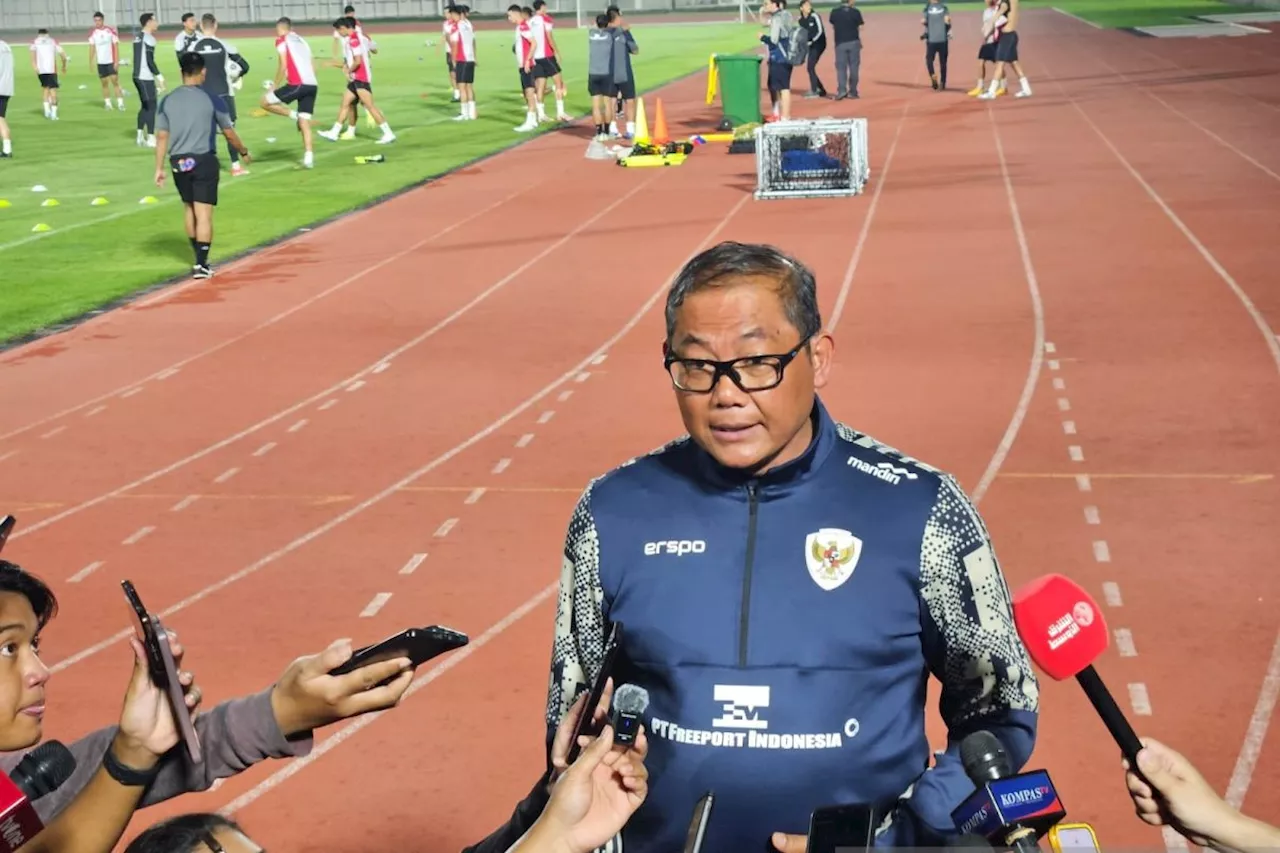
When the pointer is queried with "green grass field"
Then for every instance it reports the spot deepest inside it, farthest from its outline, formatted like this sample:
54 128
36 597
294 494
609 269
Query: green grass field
98 254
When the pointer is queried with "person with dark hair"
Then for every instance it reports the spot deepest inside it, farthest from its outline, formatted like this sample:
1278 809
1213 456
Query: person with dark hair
223 67
447 28
936 20
600 83
147 79
199 832
787 585
45 51
812 23
6 92
104 52
846 27
623 74
295 82
782 29
278 722
355 64
523 50
545 64
187 36
462 48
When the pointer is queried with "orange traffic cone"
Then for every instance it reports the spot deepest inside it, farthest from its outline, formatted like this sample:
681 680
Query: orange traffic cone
660 125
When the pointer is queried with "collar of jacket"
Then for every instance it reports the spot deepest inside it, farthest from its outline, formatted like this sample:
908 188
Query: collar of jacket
785 478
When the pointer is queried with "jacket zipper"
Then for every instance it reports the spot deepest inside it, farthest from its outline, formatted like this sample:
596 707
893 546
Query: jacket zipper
744 619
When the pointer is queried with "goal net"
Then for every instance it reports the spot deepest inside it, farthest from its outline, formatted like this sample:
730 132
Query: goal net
811 158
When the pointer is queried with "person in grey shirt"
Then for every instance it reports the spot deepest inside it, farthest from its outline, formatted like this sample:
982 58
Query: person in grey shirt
187 131
782 29
600 79
6 92
937 32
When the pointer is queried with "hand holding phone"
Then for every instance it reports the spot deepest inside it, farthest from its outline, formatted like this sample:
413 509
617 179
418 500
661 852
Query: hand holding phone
419 645
589 723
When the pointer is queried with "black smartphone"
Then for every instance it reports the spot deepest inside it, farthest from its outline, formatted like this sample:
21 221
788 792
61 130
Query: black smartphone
6 527
164 669
698 826
586 721
842 829
417 644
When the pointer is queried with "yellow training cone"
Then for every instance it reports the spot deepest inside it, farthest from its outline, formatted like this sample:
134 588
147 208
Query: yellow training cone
98 202
149 200
41 227
49 202
642 124
4 202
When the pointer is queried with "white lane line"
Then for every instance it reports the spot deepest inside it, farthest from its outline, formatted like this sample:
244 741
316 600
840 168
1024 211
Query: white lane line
1064 405
1077 17
1111 594
1139 700
85 572
1124 643
9 455
341 735
1101 551
412 566
476 494
372 608
1242 774
414 476
381 367
265 449
226 475
1083 483
546 416
184 503
599 360
501 466
400 350
165 374
299 425
524 440
51 433
1091 515
1049 347
356 386
97 410
1059 384
1069 427
443 529
1054 364
327 405
564 395
173 291
1076 453
131 392
582 377
138 535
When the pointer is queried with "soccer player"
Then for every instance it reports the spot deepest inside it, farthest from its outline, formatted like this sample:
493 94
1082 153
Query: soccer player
463 51
523 49
183 133
218 55
295 69
354 110
623 74
936 21
187 36
355 63
45 51
545 65
1007 53
104 51
446 30
987 51
6 92
146 76
600 85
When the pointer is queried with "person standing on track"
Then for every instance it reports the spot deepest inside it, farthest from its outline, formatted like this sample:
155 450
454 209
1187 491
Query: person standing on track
600 47
186 129
187 36
623 73
936 21
545 65
147 79
296 70
817 46
782 29
45 51
463 51
847 24
987 51
6 92
1007 53
217 56
784 581
104 52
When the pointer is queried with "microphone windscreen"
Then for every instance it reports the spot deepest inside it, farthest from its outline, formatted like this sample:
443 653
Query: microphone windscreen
1060 625
631 699
984 758
44 769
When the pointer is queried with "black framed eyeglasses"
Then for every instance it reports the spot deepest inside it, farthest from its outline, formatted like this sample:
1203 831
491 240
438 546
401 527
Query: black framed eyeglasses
752 373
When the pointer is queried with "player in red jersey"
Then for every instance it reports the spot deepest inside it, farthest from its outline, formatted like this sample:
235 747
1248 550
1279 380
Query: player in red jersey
355 51
523 50
297 72
545 64
462 48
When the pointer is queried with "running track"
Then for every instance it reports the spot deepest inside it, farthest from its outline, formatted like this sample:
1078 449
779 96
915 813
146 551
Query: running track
1069 302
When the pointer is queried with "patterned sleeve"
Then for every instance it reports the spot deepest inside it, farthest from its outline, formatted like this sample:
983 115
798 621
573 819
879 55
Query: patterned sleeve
578 651
973 648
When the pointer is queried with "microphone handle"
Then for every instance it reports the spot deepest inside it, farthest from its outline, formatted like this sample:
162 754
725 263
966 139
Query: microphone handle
1021 839
1111 714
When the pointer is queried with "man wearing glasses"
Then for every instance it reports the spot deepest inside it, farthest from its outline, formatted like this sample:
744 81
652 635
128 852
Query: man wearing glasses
786 585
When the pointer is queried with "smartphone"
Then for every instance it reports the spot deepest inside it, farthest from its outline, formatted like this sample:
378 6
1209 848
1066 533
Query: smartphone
164 670
698 826
6 527
419 645
586 724
842 829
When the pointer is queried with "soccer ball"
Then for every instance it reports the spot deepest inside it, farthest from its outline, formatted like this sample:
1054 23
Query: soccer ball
233 70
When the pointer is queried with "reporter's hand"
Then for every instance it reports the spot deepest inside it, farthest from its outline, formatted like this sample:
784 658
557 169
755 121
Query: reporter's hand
598 794
564 734
1171 792
786 843
307 697
148 729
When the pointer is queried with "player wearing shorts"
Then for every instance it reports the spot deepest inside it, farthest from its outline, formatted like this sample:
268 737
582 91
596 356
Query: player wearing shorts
296 71
624 88
6 92
545 65
104 52
45 51
146 78
446 30
600 85
355 63
987 51
186 129
219 58
523 50
1007 53
463 50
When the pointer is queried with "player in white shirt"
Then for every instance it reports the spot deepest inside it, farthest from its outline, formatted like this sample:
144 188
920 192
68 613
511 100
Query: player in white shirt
987 51
545 65
296 70
462 47
6 92
45 51
446 30
359 72
187 36
104 52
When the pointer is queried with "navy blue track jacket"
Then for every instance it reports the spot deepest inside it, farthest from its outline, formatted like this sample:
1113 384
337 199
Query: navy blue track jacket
785 628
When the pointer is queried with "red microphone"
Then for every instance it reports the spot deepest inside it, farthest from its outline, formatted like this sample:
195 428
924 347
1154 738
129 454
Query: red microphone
40 772
1064 632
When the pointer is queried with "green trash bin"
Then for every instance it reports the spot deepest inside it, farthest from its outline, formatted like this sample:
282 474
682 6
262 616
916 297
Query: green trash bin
740 88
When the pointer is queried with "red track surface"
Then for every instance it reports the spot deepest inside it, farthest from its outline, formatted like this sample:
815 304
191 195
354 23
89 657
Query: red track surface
1122 328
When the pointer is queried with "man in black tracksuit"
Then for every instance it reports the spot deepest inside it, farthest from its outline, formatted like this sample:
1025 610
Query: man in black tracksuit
216 54
817 44
146 77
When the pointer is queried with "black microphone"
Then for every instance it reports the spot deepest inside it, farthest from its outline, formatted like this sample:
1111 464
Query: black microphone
985 761
629 703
